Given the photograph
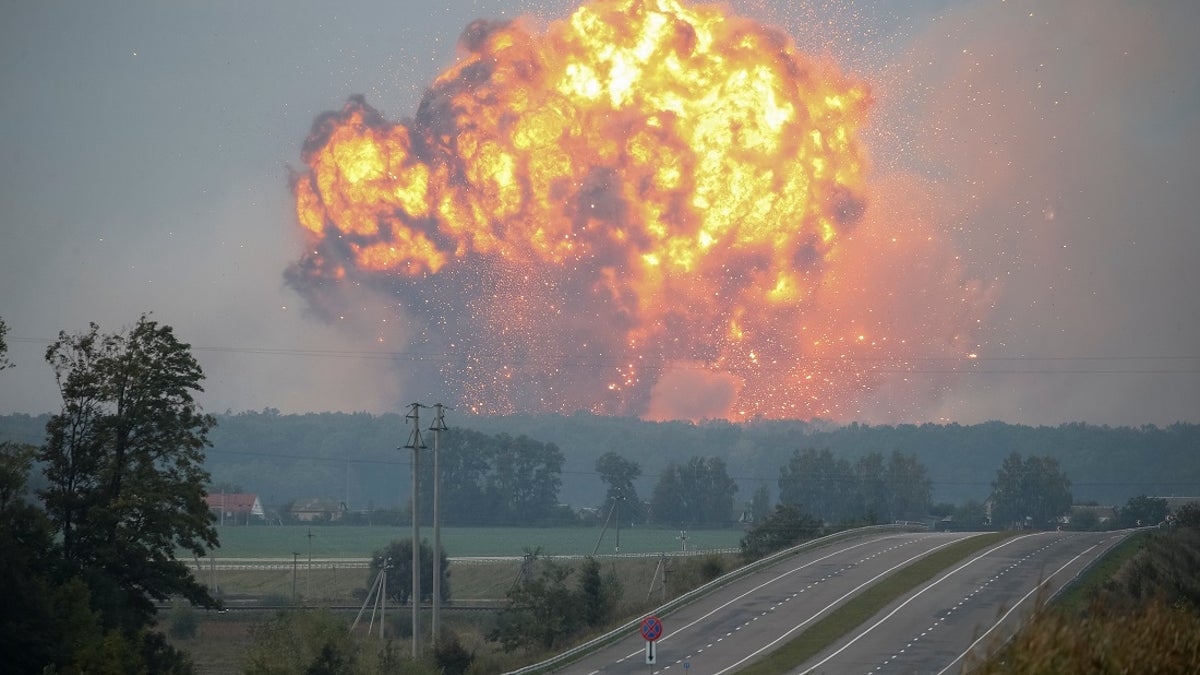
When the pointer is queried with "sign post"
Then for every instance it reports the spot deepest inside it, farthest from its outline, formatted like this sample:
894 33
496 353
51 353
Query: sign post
652 629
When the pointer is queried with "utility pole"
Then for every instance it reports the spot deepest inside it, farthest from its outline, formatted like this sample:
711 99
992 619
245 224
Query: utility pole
416 445
308 572
438 426
295 556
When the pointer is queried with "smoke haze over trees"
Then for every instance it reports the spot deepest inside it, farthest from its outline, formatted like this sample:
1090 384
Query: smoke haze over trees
353 458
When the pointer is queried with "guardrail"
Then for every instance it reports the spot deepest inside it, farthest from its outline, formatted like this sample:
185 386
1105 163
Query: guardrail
628 628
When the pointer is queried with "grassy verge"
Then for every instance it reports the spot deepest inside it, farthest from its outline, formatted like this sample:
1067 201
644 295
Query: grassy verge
355 541
1077 596
865 605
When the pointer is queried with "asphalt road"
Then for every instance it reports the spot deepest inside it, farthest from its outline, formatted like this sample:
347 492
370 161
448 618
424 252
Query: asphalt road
943 624
726 629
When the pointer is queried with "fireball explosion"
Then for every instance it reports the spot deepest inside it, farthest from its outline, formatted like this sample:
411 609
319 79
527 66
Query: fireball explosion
649 209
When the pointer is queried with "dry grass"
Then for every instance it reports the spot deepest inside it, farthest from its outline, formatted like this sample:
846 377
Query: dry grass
1155 639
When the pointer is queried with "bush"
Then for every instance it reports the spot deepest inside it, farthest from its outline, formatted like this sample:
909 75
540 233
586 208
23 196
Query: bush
182 621
785 527
451 657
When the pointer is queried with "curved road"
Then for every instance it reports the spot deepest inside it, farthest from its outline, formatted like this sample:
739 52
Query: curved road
973 604
726 629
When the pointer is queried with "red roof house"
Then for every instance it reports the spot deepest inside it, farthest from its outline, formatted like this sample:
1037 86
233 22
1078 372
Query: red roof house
234 508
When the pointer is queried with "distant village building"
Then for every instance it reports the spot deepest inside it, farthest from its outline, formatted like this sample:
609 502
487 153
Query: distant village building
1176 503
317 509
235 508
1104 514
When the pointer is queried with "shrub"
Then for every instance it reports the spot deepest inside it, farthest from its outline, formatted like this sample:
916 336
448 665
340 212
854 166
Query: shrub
182 621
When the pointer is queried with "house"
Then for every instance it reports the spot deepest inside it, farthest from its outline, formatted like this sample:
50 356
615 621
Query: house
235 508
1104 515
320 509
1176 503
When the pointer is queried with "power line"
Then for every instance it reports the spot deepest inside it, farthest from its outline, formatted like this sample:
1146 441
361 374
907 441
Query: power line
920 365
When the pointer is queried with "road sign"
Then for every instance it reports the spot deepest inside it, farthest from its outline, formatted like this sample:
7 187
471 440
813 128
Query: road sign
652 628
651 653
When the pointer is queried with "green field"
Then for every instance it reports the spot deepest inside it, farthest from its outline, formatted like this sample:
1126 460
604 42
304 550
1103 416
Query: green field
333 541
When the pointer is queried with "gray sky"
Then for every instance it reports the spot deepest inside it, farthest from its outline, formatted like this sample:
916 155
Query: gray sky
145 151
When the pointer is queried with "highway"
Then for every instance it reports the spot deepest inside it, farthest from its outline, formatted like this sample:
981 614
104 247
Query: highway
940 625
937 628
724 630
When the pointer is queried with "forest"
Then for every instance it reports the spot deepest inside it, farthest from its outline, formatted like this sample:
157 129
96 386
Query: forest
356 459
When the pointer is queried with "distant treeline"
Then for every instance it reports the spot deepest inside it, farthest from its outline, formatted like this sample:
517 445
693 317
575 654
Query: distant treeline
355 458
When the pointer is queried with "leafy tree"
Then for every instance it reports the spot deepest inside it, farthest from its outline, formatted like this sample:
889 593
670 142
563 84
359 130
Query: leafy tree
785 527
397 557
874 494
817 483
668 503
463 463
30 627
1142 510
524 480
543 611
618 474
124 466
1031 491
909 487
1188 515
699 492
711 490
4 362
972 515
760 504
598 595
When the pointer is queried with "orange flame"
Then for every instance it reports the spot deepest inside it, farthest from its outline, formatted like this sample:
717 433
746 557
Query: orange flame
641 205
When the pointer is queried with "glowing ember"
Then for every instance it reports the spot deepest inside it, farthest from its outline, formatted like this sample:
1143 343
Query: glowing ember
639 212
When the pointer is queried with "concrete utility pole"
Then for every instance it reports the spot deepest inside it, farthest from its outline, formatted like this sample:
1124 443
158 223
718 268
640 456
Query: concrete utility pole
438 426
416 445
308 573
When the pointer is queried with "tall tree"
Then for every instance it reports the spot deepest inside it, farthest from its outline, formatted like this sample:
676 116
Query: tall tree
873 493
709 489
699 492
909 488
524 479
668 504
1029 492
463 464
818 484
124 465
760 503
4 362
1141 510
397 558
618 474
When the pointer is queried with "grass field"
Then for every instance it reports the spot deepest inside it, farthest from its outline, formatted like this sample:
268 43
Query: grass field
333 541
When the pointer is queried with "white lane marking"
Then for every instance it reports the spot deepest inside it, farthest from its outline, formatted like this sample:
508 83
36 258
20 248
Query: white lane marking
1035 589
914 596
826 608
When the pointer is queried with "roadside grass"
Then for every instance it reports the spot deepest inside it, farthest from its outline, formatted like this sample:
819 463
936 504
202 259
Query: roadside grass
470 582
866 604
1128 613
221 640
360 541
1077 597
